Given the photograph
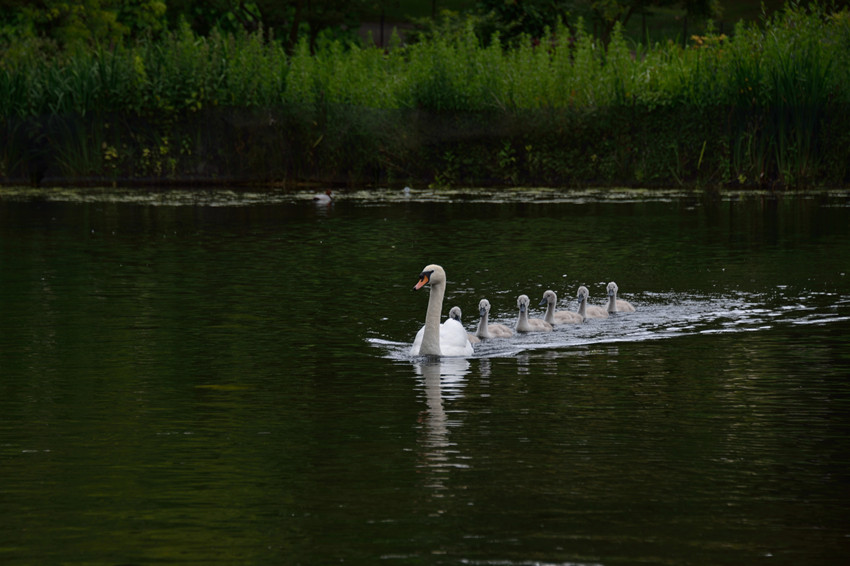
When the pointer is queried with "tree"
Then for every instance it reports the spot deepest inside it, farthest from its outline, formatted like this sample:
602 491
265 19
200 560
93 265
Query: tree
290 19
90 22
512 18
205 15
108 22
607 13
312 17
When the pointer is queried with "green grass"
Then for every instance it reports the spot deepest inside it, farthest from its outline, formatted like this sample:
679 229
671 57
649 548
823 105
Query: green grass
766 106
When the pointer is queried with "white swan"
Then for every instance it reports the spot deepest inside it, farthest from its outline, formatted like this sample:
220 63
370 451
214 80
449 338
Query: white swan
525 324
486 330
455 313
588 311
324 198
615 304
435 339
557 317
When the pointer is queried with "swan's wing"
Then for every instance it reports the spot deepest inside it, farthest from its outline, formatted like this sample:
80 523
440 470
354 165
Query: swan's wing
596 312
454 340
500 331
567 317
417 342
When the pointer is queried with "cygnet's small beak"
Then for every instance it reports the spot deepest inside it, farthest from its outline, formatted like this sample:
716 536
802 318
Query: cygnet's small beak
543 301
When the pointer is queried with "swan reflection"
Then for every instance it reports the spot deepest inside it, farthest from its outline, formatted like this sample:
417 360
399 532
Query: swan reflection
443 380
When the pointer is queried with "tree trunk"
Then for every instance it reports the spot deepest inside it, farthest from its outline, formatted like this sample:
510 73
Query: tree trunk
293 28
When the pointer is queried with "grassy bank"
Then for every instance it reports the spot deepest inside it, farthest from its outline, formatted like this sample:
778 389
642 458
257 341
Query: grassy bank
765 107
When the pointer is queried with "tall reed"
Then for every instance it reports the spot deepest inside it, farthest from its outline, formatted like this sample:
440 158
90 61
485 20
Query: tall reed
767 106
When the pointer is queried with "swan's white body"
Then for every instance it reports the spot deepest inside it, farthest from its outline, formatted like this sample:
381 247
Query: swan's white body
525 324
435 339
324 198
554 317
486 330
455 313
615 304
586 310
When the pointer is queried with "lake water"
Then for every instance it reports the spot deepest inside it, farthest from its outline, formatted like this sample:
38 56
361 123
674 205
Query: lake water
213 377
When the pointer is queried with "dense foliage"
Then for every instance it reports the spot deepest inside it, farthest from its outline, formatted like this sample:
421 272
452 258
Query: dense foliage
97 22
71 25
766 106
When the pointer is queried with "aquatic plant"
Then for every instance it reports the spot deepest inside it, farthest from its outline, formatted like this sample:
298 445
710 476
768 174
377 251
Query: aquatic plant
765 106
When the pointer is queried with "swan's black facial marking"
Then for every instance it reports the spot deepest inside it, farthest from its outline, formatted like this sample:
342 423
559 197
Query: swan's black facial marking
424 278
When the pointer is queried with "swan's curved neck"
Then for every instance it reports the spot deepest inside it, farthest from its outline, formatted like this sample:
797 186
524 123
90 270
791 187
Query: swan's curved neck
483 331
550 313
522 324
612 302
431 336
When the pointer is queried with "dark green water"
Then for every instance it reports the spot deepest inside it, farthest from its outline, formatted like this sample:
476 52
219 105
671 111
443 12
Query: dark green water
193 381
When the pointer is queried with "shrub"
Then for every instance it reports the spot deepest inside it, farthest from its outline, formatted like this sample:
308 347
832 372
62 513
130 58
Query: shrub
766 106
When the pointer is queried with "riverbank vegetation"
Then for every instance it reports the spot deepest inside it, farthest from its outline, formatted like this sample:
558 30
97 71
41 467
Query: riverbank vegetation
766 105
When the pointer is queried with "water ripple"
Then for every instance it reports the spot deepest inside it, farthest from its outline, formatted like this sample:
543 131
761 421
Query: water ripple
664 316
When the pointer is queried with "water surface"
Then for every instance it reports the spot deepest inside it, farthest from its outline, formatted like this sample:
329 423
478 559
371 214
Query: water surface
201 377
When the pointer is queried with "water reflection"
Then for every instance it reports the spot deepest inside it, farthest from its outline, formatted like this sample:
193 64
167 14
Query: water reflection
323 206
443 380
484 370
708 427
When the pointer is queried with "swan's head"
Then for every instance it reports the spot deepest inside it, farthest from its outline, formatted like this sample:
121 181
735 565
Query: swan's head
548 297
431 274
612 289
455 313
582 294
522 302
483 307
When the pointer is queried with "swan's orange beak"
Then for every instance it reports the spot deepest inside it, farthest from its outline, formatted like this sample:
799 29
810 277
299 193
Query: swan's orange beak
424 277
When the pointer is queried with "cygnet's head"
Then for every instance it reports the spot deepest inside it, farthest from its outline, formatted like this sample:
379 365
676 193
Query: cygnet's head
455 313
612 289
483 307
549 297
582 293
522 302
